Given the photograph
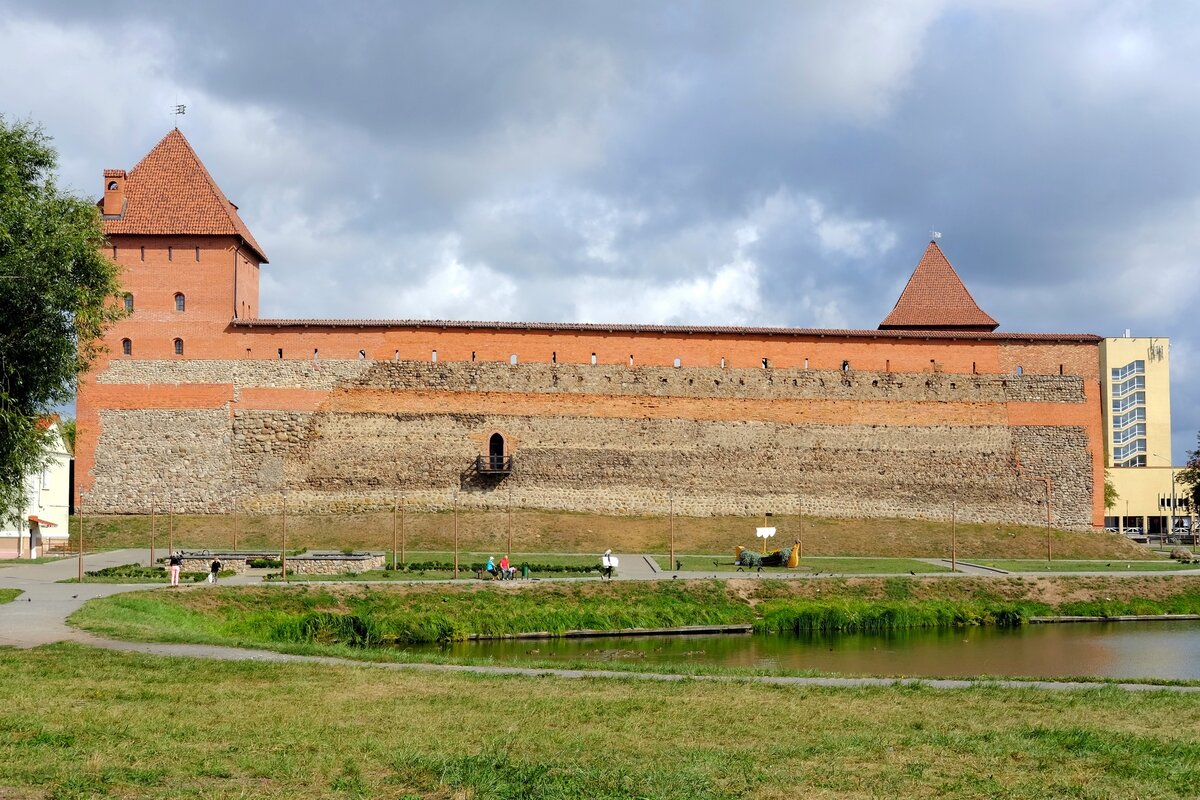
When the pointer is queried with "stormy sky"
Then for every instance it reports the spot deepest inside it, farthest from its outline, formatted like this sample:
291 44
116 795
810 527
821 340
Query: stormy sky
689 162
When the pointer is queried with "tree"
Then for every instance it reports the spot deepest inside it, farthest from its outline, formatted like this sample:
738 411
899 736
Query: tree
1110 492
1189 477
57 294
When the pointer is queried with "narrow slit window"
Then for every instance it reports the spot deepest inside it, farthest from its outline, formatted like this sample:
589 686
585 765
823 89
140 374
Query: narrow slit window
631 359
472 356
179 347
845 366
1020 370
512 360
973 370
1060 369
197 254
554 357
114 251
593 359
280 353
362 355
678 363
180 302
396 357
143 252
170 254
126 347
128 303
806 363
722 362
765 363
887 365
434 358
315 354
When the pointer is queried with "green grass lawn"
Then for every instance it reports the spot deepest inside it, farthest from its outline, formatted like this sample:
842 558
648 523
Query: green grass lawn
1035 565
136 573
39 560
822 564
125 725
8 595
417 567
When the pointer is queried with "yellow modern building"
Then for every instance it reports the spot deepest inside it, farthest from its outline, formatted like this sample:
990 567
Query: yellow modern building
1136 390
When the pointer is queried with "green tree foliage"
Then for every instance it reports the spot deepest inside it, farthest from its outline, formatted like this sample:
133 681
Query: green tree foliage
56 285
1110 492
1189 477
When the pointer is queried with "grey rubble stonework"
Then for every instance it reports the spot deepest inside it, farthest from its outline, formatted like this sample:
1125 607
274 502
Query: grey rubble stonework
225 459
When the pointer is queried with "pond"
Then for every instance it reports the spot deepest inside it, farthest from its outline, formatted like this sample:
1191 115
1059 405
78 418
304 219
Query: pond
1165 650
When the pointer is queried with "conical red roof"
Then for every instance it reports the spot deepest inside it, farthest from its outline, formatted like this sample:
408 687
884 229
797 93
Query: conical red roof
170 192
936 299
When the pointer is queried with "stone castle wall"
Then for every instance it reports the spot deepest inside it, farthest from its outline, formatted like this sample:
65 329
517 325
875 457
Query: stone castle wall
354 434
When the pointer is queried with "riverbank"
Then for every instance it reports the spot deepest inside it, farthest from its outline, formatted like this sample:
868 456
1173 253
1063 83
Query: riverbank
376 620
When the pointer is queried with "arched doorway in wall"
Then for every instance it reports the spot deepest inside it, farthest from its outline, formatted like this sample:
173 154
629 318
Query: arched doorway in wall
496 452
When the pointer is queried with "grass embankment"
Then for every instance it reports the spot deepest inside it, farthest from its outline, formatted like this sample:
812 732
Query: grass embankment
560 532
826 565
1057 565
110 724
317 618
8 595
16 562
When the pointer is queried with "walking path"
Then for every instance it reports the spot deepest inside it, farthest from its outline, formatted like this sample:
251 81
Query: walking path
38 617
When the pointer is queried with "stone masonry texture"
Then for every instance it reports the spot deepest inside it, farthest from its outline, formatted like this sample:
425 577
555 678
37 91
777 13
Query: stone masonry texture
348 435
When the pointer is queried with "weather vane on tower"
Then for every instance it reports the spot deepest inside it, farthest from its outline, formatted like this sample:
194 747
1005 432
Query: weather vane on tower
180 110
934 235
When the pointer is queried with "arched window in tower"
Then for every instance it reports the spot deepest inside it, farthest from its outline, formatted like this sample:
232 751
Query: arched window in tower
126 347
179 347
179 301
128 303
496 452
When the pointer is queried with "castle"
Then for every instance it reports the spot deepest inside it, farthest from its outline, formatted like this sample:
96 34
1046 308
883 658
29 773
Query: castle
199 400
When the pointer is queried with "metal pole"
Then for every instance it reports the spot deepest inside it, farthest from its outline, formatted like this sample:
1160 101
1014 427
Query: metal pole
82 527
456 534
152 532
672 530
508 516
953 539
395 523
402 538
1049 551
283 553
800 541
21 536
171 522
235 523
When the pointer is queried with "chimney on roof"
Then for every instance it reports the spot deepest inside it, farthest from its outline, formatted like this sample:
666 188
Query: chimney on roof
114 193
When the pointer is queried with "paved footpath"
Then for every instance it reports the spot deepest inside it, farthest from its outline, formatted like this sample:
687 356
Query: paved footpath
38 617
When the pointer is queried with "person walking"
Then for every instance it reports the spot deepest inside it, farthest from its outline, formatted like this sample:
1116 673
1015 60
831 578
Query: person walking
607 563
214 569
176 562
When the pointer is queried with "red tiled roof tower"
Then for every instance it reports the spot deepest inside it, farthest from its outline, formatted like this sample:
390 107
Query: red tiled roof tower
171 192
936 299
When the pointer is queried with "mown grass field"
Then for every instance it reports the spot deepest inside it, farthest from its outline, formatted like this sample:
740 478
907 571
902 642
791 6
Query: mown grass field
122 725
485 531
1058 565
8 595
377 621
828 565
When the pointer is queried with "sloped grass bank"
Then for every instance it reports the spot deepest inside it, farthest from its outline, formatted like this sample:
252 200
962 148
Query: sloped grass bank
375 618
8 595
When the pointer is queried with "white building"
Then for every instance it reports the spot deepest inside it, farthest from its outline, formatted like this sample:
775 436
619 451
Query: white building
44 523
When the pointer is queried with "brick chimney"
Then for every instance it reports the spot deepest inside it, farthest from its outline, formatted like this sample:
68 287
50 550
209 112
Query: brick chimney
114 193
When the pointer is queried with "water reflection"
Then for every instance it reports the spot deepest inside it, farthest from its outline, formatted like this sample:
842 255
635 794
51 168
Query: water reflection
1110 650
